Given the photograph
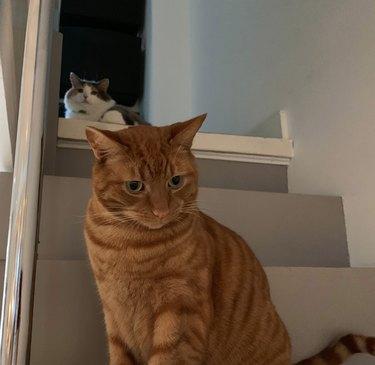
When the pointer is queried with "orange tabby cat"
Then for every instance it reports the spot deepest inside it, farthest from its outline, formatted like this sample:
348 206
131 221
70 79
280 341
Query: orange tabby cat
176 286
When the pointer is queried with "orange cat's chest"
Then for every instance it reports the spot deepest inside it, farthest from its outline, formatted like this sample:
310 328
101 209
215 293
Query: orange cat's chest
134 320
153 283
135 297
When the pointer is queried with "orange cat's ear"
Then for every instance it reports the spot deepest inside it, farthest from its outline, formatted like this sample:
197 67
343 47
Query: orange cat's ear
183 133
102 143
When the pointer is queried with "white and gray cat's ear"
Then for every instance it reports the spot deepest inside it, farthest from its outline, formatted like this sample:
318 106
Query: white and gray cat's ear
103 143
183 133
103 84
75 80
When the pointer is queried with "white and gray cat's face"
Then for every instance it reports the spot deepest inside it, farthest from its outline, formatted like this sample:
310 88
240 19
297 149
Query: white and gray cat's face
88 93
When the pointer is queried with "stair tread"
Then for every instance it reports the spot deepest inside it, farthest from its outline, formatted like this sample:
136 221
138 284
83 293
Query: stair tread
317 305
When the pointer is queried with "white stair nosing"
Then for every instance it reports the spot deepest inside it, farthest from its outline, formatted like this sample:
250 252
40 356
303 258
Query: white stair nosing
275 151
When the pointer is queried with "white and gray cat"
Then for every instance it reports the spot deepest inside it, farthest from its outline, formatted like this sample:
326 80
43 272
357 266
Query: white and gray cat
90 100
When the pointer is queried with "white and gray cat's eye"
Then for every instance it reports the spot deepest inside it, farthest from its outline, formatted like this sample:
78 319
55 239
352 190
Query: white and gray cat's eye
175 182
134 186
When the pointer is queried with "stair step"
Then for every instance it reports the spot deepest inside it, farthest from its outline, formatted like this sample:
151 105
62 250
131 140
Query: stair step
319 305
282 229
242 176
316 304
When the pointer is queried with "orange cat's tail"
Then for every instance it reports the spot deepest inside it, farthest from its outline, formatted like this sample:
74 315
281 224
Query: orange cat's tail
341 350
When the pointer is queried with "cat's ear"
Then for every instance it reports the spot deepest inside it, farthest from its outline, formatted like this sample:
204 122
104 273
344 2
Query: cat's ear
183 133
75 80
103 84
103 143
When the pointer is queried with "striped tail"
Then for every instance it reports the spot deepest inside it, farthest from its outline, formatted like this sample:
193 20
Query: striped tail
341 350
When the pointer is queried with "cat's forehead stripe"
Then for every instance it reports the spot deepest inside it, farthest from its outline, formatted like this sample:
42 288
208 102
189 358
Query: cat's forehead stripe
87 89
155 165
153 155
150 154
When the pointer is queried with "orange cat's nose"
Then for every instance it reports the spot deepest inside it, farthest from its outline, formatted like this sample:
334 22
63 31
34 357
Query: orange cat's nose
160 213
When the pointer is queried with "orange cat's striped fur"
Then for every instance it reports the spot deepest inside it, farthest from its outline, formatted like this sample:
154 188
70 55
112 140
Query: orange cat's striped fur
176 286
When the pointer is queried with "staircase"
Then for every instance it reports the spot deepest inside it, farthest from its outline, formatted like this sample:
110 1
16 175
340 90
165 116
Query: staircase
299 238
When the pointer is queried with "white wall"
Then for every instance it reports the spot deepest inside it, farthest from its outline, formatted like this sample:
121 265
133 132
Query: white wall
167 96
249 59
314 58
333 120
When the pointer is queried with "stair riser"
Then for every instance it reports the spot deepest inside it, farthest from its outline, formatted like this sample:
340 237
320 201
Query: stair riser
212 173
282 229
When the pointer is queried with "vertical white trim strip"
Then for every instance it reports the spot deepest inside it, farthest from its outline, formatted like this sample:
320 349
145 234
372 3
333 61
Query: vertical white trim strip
284 124
9 78
20 259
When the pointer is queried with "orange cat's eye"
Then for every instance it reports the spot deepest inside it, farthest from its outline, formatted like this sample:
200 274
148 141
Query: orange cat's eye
80 90
175 182
134 186
94 92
